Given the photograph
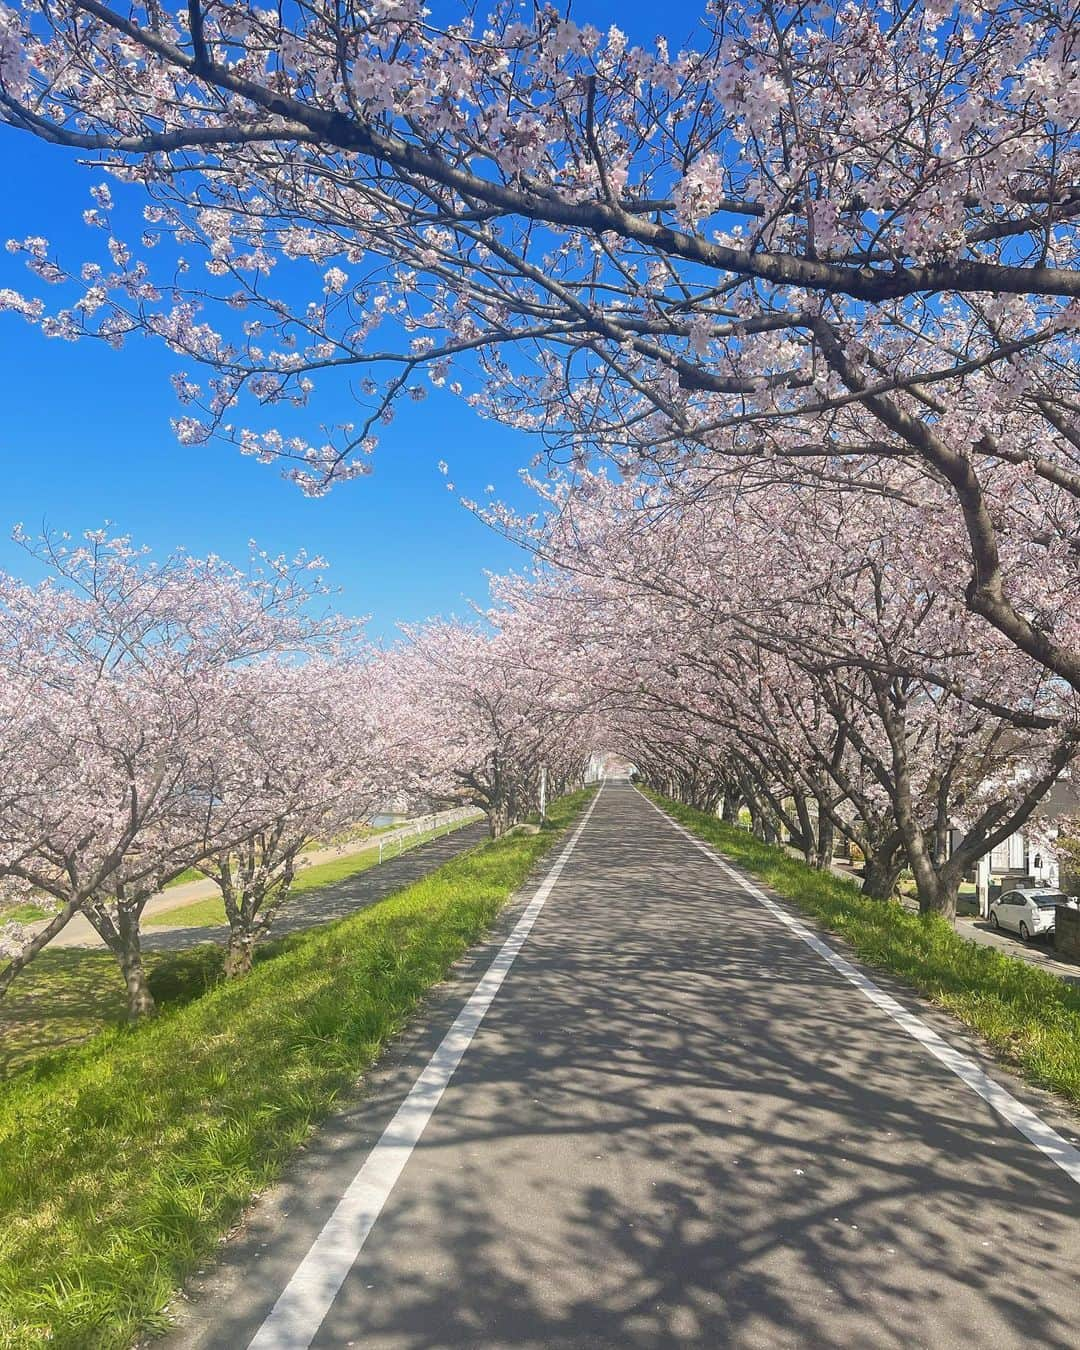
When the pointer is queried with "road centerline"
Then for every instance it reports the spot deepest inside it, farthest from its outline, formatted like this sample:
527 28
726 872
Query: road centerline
1063 1154
300 1309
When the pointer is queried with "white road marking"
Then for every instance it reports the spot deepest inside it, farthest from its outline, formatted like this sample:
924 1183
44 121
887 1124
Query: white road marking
1021 1117
304 1302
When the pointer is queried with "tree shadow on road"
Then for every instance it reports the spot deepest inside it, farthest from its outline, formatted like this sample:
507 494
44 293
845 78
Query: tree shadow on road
678 1127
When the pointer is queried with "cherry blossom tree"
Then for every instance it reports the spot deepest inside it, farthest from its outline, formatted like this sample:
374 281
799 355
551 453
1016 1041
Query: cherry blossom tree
840 668
810 284
817 236
304 752
491 709
119 664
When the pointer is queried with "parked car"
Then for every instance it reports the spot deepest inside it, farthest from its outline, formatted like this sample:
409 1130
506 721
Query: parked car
1029 912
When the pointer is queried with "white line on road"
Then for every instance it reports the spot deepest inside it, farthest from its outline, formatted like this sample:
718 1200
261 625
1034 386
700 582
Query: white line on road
299 1312
1021 1117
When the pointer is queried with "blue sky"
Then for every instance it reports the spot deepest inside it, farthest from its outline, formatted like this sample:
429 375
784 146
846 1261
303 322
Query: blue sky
85 434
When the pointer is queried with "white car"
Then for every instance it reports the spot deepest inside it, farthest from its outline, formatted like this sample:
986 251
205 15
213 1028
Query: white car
1028 912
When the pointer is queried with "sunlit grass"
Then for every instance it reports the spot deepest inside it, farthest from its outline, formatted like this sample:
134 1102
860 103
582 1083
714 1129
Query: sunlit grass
61 998
356 836
68 994
26 913
123 1161
1029 1017
210 913
187 875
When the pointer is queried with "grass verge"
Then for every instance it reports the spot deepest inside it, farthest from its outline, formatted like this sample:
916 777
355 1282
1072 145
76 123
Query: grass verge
22 913
1030 1018
62 997
69 994
123 1162
365 832
210 913
182 878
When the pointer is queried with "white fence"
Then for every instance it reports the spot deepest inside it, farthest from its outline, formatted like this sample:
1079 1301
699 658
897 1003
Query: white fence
423 828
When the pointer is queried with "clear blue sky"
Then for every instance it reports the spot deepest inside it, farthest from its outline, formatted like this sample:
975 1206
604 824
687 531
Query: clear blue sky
85 434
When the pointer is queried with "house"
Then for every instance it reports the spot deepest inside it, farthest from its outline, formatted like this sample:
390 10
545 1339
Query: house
1027 857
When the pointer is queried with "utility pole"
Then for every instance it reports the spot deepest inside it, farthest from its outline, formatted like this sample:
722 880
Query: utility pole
982 885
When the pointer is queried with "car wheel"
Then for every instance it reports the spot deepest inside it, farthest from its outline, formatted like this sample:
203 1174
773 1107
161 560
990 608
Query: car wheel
994 921
1025 935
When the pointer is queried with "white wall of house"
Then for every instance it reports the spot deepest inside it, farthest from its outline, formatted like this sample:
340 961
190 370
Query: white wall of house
1018 856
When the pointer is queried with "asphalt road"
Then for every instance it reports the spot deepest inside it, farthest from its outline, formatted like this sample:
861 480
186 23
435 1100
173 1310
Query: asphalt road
677 1125
323 904
331 901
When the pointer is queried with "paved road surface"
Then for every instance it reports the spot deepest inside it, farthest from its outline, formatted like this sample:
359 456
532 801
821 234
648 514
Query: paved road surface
324 903
80 932
677 1125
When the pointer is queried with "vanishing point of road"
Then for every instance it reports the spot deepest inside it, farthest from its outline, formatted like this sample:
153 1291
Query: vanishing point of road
663 1116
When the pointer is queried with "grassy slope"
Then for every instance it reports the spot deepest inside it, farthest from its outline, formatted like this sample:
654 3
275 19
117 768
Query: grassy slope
1029 1017
122 1162
210 913
68 994
62 997
367 833
182 878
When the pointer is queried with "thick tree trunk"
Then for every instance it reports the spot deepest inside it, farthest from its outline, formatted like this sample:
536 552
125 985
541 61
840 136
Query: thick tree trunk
124 941
825 836
139 998
937 887
764 824
730 812
937 883
940 896
240 954
880 876
807 839
498 820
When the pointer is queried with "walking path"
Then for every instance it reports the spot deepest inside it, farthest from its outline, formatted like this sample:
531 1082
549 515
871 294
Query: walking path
668 1115
80 932
325 903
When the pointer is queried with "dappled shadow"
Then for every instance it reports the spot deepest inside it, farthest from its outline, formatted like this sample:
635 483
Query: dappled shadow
324 904
68 994
62 997
679 1127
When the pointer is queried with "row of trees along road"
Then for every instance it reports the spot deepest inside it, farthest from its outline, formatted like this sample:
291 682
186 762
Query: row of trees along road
808 284
789 650
159 717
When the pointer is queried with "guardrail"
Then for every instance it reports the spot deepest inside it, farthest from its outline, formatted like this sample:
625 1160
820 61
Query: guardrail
395 842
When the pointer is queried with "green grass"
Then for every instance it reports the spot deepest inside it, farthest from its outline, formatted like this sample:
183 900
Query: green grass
210 913
182 878
22 913
365 832
1030 1018
62 997
69 994
123 1161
